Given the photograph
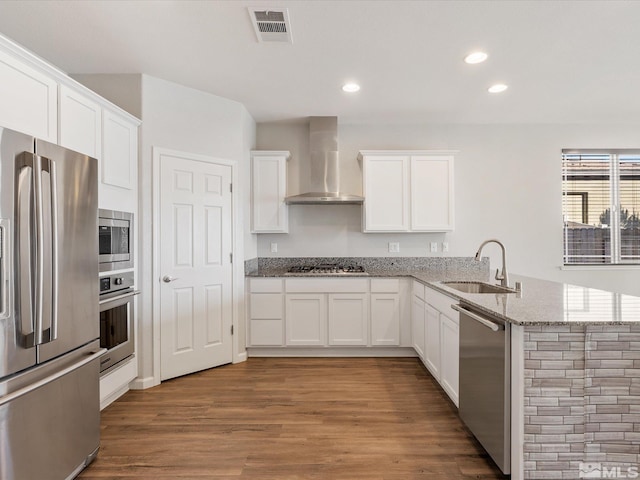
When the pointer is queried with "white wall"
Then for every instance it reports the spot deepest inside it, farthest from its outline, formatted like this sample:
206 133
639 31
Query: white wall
179 118
507 186
124 90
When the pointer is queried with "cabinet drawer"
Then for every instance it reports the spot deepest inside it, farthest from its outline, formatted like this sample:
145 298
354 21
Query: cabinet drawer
266 305
441 302
418 290
265 285
385 285
326 285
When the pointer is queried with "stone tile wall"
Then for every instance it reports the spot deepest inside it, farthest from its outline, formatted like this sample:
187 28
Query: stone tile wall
582 399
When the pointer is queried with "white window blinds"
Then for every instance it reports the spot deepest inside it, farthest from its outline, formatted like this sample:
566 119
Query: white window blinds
601 206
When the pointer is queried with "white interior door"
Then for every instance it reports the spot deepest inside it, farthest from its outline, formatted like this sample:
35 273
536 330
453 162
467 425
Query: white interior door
195 265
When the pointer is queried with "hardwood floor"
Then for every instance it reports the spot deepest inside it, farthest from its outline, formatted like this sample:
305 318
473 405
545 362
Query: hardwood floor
291 418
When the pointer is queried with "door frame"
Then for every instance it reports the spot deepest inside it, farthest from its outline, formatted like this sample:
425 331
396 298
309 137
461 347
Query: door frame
237 271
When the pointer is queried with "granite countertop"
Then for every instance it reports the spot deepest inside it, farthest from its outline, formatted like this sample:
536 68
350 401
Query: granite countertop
541 302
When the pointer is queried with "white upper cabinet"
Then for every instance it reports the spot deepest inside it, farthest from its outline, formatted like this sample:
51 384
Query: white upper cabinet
269 213
80 123
407 191
386 193
28 99
38 99
431 193
120 150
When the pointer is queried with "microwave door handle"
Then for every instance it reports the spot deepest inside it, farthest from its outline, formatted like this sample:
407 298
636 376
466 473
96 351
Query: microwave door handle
25 281
49 166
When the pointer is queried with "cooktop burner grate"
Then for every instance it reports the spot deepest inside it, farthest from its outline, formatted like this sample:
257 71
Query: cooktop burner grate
327 268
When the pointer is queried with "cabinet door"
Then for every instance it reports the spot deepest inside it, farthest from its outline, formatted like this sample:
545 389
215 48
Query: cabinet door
386 193
120 151
28 100
269 213
385 319
450 357
306 319
431 193
417 325
348 319
80 123
266 320
432 341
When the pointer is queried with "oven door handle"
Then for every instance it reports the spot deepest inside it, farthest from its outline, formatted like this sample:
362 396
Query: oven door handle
119 297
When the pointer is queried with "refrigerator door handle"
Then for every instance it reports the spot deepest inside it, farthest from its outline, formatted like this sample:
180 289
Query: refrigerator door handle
39 249
25 281
49 166
60 373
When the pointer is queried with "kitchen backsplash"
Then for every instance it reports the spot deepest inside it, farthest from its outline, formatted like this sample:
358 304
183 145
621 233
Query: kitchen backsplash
391 264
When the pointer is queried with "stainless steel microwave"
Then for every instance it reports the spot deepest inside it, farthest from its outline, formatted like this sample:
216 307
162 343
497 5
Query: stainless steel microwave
115 238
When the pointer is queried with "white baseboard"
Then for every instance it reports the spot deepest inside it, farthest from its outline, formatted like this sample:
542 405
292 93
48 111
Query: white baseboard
331 352
241 357
143 383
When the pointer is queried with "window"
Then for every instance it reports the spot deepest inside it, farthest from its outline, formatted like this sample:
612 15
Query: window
601 206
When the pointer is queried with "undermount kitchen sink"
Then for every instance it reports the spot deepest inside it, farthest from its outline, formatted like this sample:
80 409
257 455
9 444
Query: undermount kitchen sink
477 287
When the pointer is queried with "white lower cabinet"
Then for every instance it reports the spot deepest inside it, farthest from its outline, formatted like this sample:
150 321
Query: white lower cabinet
265 313
266 327
385 319
348 319
325 312
306 319
441 340
432 340
417 325
450 343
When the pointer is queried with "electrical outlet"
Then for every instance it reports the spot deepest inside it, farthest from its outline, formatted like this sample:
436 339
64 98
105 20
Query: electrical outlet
274 247
445 247
394 247
434 247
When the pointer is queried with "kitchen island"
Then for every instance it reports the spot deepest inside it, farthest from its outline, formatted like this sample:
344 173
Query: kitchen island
575 370
575 377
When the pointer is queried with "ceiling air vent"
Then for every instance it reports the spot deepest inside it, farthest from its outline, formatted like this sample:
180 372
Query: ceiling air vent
271 25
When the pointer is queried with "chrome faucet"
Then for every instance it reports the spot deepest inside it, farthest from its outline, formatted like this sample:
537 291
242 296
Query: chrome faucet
504 276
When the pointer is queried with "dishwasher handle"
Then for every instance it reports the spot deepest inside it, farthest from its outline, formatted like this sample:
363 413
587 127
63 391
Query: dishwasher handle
487 323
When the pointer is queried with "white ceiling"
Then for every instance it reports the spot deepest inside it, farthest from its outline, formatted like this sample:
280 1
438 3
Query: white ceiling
565 61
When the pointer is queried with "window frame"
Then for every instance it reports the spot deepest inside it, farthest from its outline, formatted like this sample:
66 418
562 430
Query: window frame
615 180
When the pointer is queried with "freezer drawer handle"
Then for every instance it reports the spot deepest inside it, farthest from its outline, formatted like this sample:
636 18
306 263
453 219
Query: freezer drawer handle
40 383
487 323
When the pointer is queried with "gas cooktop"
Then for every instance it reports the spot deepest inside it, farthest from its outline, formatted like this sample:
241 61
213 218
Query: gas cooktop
327 269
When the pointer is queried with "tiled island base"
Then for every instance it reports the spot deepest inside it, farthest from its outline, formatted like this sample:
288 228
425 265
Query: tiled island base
582 402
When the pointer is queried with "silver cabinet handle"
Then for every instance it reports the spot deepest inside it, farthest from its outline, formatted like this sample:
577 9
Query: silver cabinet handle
169 278
487 323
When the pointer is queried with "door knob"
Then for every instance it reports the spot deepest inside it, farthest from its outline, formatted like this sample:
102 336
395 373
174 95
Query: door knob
168 278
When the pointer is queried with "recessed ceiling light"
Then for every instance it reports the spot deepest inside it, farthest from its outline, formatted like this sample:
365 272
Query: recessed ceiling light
351 87
497 88
476 57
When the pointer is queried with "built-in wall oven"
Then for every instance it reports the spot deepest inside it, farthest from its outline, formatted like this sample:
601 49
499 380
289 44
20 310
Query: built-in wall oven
116 319
115 231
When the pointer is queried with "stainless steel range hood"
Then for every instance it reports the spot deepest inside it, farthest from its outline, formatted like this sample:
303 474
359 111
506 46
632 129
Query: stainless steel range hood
325 167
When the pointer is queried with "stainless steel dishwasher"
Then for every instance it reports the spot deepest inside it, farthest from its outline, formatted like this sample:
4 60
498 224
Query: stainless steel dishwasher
485 382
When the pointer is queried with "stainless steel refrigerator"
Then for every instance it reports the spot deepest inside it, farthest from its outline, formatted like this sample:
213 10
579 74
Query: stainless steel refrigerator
49 320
